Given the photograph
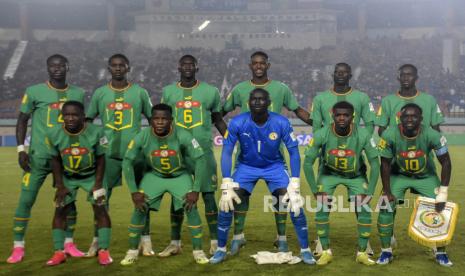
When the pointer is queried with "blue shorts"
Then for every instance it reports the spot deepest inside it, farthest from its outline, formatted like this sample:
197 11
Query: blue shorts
275 176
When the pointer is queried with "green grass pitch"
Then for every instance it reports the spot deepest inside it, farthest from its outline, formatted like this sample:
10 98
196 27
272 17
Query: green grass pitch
260 233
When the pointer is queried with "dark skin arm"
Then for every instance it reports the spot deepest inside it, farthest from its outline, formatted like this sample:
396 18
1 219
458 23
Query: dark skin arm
21 130
57 171
303 115
217 119
446 170
380 130
191 199
385 178
99 171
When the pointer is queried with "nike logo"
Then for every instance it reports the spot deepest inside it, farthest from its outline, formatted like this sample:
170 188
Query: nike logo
75 144
412 148
120 99
164 147
188 98
342 146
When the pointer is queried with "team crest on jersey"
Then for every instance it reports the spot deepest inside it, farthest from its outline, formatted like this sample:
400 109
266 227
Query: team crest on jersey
412 154
57 105
273 136
75 151
341 152
119 106
187 104
164 153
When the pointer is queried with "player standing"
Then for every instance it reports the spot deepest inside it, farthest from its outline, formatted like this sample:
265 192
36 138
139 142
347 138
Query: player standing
196 106
323 103
42 102
260 134
165 149
407 162
120 105
389 111
340 147
281 96
77 158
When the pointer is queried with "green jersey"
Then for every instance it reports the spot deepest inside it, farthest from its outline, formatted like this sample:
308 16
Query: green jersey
192 109
321 111
342 155
78 151
164 156
389 111
280 95
412 156
121 113
44 103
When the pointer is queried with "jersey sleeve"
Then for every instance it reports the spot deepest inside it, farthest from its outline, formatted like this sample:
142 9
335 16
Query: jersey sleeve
92 111
229 141
82 96
368 110
311 153
290 101
370 147
386 144
437 142
27 103
436 114
216 104
288 135
382 117
134 148
195 152
52 150
146 104
192 146
164 97
231 100
315 114
102 143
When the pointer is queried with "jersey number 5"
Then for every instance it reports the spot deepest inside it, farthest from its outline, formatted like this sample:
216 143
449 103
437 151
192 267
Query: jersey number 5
165 163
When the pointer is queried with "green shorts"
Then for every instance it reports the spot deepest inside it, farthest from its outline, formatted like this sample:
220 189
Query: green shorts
154 187
212 184
424 186
113 171
355 186
73 184
40 168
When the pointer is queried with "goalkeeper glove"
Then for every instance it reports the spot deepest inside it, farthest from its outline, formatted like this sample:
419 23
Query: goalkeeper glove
228 195
293 196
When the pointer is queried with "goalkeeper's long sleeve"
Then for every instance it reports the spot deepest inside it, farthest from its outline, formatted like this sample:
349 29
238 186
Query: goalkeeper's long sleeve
294 160
226 159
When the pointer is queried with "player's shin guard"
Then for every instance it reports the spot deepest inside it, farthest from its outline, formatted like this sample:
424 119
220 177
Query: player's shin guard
363 226
195 228
386 225
177 216
136 228
240 213
211 214
322 226
224 223
104 237
58 236
301 229
23 213
71 219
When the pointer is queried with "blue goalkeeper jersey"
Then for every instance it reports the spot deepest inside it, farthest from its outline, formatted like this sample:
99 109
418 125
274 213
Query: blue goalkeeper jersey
260 145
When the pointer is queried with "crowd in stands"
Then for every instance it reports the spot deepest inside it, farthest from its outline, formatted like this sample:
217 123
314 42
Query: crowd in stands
374 64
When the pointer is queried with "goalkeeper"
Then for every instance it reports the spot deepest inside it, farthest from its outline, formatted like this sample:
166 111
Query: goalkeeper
260 133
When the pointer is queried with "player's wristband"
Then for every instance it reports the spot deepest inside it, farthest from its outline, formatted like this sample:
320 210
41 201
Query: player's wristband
98 193
20 148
